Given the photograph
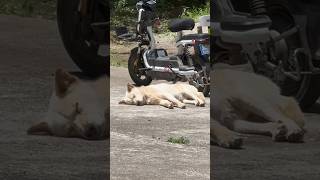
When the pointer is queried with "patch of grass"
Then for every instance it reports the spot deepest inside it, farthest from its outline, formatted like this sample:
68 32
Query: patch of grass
29 8
118 61
195 13
179 140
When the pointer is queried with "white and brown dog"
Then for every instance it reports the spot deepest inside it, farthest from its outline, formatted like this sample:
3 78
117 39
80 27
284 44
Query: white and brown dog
167 95
77 108
244 102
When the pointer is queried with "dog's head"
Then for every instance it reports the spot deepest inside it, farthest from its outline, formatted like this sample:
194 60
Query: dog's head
75 109
133 96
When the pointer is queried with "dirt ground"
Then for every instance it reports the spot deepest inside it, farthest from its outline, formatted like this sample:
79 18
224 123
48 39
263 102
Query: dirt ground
31 51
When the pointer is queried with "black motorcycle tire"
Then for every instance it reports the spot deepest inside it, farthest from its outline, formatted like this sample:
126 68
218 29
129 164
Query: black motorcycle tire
206 91
83 55
307 91
134 63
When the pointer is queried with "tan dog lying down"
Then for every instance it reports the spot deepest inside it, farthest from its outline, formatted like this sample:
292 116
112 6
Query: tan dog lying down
167 95
248 103
77 109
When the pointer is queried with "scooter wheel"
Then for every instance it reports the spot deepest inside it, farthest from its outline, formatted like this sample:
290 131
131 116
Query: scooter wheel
206 91
134 64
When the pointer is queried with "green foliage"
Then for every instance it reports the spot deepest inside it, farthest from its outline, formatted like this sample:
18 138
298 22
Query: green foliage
29 8
180 140
123 12
118 61
195 13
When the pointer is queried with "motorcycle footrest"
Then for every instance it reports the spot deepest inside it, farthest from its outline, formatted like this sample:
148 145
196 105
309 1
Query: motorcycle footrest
306 72
145 69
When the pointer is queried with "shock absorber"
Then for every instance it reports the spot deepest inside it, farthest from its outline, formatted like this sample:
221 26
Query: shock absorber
188 55
258 7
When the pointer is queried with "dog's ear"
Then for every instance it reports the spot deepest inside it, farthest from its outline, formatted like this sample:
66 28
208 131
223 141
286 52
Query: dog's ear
41 128
63 81
130 87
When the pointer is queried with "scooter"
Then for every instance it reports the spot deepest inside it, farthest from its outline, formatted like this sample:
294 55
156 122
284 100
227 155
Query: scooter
276 37
147 62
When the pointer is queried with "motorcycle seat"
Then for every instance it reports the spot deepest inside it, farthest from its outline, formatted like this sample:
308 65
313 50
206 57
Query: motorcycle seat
239 22
194 36
176 25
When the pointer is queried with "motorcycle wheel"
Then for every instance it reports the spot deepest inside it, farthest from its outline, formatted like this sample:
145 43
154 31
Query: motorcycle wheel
84 54
307 90
206 91
134 64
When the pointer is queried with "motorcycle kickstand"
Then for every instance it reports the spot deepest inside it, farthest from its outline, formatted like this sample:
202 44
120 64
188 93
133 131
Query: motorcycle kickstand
177 76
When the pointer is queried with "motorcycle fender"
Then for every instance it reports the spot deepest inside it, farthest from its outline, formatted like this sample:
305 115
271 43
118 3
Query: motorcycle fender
136 50
301 21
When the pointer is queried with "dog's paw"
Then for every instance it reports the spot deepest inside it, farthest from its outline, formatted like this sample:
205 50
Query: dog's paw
202 105
199 103
295 136
234 143
230 141
170 106
279 134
